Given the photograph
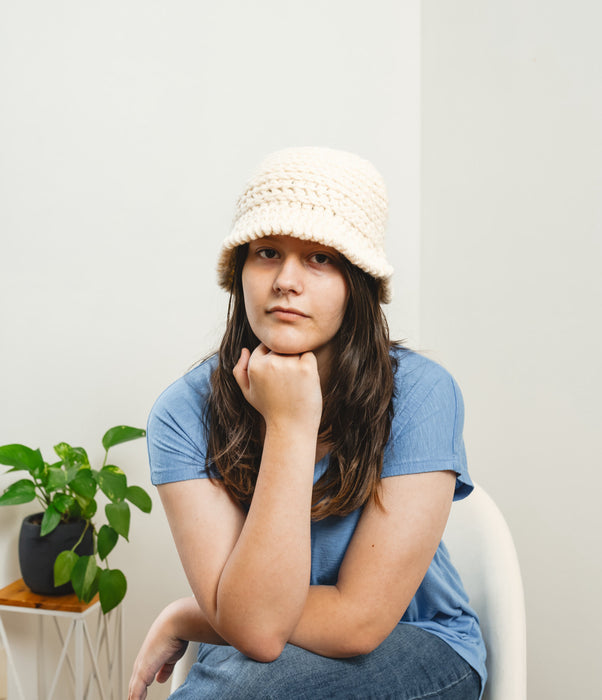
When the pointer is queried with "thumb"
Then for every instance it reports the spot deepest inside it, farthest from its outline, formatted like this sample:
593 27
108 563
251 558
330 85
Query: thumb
164 672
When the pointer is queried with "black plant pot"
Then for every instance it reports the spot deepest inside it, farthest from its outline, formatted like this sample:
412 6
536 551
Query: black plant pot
37 554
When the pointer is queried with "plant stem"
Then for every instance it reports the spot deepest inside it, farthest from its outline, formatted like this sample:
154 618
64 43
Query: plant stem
40 494
81 537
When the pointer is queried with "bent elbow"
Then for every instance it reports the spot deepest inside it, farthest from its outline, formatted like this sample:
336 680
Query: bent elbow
354 647
258 640
362 647
364 640
262 649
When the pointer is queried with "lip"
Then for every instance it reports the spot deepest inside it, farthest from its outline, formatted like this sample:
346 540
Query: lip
287 312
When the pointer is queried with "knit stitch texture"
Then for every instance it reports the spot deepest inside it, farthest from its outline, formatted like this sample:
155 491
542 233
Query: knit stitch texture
319 194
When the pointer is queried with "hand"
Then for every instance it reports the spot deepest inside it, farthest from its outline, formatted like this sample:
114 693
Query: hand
156 659
285 389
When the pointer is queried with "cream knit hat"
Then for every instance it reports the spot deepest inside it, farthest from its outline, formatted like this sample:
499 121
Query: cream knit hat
317 194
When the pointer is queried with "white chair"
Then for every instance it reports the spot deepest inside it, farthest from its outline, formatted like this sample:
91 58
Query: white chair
482 549
181 669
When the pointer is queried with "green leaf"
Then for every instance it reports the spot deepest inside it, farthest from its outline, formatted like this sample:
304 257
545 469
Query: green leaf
84 484
107 539
113 483
77 457
94 587
121 433
72 472
22 491
63 566
75 510
89 509
63 503
62 449
112 587
139 497
22 457
118 515
72 456
83 578
50 520
56 479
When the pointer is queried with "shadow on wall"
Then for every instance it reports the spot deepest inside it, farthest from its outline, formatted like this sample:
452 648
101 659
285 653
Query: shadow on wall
10 524
3 674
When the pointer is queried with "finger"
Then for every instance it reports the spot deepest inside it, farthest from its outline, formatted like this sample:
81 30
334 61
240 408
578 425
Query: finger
260 351
137 690
240 370
164 672
309 358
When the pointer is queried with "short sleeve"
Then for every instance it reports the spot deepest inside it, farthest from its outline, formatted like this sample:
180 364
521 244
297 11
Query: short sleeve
177 444
426 432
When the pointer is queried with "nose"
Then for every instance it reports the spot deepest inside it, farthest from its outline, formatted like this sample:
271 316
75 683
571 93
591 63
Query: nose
289 277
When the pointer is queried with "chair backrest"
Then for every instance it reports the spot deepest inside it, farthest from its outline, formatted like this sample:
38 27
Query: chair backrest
482 549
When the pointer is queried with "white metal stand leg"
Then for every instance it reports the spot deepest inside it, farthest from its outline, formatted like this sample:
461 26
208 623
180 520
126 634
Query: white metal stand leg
79 660
67 658
41 661
120 649
92 662
11 661
64 655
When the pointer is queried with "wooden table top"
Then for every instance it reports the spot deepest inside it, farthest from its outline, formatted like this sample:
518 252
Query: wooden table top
17 594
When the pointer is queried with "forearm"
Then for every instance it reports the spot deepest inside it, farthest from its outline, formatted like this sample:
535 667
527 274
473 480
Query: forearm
183 619
264 584
333 624
165 643
384 564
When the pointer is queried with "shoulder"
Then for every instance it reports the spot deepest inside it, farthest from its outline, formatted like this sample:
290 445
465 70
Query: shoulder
176 426
188 394
419 380
428 420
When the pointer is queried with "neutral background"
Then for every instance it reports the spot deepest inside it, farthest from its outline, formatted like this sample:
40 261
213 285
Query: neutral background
126 133
511 295
128 130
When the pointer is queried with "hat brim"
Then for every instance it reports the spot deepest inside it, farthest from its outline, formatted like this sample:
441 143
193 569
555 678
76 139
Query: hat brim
305 223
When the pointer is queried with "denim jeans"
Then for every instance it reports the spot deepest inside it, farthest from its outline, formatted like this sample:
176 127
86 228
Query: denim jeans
410 664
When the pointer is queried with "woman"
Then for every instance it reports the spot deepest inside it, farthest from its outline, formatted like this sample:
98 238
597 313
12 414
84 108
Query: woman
307 470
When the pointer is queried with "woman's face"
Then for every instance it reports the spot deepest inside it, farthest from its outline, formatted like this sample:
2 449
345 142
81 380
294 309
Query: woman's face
295 294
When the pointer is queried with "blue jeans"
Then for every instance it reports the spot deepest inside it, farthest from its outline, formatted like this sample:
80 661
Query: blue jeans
410 664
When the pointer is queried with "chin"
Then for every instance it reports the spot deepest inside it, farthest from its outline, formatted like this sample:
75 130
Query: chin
286 344
288 348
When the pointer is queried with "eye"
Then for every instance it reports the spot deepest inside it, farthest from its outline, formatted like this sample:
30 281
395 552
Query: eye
321 258
267 253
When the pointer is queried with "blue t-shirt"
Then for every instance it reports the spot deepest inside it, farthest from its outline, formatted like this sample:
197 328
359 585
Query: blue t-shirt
426 436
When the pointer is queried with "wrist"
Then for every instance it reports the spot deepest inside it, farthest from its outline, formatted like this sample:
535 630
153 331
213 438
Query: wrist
184 620
291 443
172 617
290 428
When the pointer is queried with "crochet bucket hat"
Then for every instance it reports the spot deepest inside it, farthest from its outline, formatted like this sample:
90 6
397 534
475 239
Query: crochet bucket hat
317 194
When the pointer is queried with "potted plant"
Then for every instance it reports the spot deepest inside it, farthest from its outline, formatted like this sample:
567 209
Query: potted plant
67 491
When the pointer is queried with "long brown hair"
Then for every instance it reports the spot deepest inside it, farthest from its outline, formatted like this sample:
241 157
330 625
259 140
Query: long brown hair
357 412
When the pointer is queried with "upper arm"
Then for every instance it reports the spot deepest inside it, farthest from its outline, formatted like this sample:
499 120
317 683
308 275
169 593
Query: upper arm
426 432
204 521
392 549
205 524
424 468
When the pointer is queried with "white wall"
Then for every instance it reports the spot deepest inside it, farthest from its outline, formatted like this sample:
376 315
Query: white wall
511 292
126 132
